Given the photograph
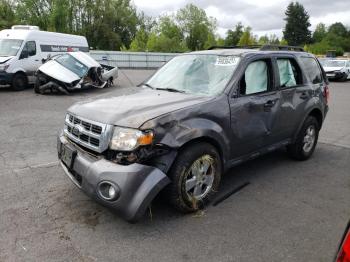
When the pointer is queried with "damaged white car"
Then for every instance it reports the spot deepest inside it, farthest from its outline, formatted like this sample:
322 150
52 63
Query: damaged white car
71 71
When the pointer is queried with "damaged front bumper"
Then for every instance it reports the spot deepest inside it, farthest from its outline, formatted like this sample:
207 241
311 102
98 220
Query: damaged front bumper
136 185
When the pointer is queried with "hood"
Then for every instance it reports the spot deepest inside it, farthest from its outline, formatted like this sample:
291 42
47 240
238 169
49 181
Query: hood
4 59
333 68
59 72
134 109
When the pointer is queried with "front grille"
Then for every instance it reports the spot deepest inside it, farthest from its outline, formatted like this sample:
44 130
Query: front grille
87 133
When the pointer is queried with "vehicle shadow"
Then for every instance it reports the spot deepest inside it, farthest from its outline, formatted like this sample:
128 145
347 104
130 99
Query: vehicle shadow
248 172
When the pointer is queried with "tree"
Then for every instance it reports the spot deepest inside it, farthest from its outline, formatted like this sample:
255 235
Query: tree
247 37
140 41
60 16
274 40
338 29
233 36
320 32
195 26
296 31
263 40
7 15
107 24
211 41
145 27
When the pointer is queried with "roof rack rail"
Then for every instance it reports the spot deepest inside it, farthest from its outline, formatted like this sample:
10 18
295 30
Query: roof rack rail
262 47
234 47
282 48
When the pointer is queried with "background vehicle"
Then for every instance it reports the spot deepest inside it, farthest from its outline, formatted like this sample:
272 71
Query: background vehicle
197 116
73 70
337 69
24 48
343 253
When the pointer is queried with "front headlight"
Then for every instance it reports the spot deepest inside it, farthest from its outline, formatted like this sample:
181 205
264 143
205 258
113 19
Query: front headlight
4 67
127 139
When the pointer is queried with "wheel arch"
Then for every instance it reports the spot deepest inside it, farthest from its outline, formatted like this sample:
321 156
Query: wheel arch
315 112
208 140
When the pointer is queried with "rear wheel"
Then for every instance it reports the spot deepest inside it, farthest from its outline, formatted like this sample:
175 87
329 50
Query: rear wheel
195 177
19 82
306 140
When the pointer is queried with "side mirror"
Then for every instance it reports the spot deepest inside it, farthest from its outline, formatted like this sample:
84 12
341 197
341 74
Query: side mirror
24 54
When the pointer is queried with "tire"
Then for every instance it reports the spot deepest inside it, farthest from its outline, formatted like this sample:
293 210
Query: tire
19 82
344 77
37 85
109 83
306 140
201 187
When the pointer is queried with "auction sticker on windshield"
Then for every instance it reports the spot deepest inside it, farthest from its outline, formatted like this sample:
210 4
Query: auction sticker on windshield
227 60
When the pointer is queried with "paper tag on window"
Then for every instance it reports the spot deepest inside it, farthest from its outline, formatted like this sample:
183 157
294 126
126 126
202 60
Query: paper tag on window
226 61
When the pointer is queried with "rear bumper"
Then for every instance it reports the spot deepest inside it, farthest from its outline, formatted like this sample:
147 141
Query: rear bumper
137 184
5 78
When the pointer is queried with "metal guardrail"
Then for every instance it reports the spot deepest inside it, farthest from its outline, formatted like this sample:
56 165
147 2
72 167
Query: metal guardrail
145 60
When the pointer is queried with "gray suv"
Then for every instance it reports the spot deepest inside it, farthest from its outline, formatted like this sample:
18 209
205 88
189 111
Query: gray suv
197 116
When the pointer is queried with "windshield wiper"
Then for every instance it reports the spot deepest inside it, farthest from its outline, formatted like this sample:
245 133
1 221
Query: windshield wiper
148 85
171 90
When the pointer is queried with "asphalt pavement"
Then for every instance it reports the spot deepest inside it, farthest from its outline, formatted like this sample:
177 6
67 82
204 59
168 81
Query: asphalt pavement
287 210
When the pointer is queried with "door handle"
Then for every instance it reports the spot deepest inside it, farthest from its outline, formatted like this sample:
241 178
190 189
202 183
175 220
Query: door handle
36 60
270 103
304 95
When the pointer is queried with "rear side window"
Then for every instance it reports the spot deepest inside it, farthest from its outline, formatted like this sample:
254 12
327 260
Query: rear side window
312 69
256 78
289 72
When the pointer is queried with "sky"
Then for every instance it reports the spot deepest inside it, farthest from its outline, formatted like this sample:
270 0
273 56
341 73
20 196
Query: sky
264 16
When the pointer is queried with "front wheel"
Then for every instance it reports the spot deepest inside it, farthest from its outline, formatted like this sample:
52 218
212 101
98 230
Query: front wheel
344 77
19 82
306 140
109 82
195 177
37 85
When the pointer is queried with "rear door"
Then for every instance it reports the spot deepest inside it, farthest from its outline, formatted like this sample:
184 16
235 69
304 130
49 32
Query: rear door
294 91
314 84
254 107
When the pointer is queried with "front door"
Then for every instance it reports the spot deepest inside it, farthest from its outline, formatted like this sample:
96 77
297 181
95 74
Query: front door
254 109
30 60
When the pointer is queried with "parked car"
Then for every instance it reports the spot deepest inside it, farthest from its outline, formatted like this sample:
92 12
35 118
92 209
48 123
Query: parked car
343 252
197 116
71 71
24 48
337 69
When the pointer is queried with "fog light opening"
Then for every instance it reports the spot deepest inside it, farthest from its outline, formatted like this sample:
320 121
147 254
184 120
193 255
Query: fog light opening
108 191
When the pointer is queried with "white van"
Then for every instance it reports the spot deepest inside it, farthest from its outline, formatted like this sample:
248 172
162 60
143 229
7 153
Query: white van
24 48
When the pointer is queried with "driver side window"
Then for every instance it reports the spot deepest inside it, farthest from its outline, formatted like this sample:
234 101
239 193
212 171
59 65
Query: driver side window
256 78
29 49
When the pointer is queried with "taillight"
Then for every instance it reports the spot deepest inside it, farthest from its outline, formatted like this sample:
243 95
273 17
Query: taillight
326 94
344 253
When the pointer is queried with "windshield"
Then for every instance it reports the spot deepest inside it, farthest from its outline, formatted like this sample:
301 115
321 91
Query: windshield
9 47
195 74
334 63
72 64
